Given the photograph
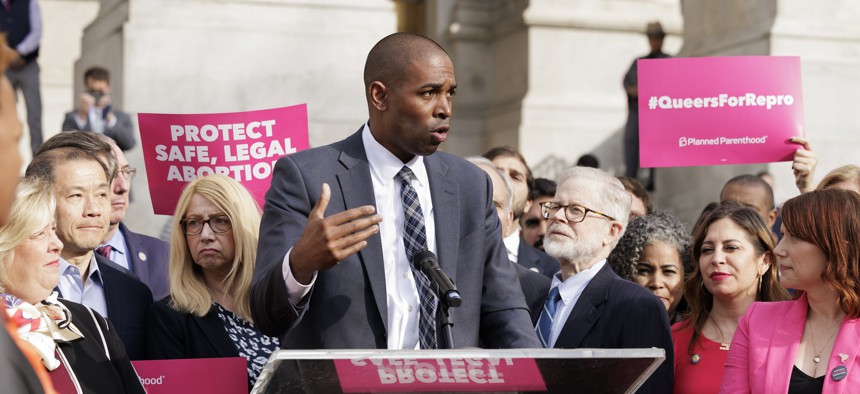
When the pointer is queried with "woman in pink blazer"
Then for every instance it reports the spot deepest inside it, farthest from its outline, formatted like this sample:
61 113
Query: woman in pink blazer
809 345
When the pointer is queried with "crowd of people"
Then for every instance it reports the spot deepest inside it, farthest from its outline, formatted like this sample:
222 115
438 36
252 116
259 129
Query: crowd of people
754 297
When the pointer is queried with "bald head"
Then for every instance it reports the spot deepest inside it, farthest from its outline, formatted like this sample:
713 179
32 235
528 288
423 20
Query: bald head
388 59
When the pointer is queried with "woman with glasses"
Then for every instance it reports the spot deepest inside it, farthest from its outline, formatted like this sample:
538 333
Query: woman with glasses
212 254
733 266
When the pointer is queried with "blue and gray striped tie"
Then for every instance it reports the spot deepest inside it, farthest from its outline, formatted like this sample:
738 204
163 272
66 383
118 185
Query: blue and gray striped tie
547 314
415 239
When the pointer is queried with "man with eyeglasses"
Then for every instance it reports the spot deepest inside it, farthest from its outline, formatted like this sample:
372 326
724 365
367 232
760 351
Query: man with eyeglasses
589 306
80 166
146 256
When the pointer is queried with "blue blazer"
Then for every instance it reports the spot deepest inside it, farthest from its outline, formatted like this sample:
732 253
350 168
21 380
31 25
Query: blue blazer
536 260
128 300
149 258
347 307
614 313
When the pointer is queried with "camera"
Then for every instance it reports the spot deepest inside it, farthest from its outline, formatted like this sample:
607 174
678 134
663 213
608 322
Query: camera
97 95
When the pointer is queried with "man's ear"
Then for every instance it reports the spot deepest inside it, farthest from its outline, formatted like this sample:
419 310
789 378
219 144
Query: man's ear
771 218
614 233
378 94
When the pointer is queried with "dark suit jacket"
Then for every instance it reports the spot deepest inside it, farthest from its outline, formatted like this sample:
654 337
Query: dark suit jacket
531 257
128 300
172 334
149 258
122 132
87 361
347 305
534 285
614 313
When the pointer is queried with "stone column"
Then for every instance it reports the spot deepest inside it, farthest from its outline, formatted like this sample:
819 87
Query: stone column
192 56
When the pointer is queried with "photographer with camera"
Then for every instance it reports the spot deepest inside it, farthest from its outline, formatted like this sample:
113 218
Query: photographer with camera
95 112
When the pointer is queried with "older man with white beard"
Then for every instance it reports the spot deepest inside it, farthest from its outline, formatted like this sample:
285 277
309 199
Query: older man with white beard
589 306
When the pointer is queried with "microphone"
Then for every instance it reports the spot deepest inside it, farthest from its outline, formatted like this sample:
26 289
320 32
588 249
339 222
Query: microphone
426 261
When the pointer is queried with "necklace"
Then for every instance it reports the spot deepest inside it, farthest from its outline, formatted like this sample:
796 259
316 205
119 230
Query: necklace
723 344
817 353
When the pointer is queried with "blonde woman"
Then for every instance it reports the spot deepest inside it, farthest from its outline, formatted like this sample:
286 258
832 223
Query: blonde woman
78 347
212 253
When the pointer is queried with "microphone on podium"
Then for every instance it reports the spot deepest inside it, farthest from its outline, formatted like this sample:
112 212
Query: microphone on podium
426 261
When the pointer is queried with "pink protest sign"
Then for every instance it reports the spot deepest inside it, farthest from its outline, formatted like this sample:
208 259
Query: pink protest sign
243 145
199 375
719 110
439 375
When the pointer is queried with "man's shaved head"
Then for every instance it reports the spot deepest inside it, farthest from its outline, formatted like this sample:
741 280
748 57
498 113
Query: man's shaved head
387 60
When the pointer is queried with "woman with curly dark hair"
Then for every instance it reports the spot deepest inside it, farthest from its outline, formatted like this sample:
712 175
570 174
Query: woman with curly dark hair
655 252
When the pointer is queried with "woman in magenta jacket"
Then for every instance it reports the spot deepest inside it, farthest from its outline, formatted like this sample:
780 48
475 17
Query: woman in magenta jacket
811 344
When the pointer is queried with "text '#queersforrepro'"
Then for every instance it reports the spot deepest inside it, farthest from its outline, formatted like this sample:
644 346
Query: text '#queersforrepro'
768 101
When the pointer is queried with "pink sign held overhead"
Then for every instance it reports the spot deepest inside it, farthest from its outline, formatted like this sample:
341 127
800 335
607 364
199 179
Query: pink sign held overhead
178 148
719 110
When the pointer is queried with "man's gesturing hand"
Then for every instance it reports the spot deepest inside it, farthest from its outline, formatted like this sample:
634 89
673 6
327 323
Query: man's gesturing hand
325 241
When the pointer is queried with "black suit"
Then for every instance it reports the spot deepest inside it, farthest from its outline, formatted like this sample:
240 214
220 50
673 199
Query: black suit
534 285
148 258
87 360
536 260
613 313
172 334
347 306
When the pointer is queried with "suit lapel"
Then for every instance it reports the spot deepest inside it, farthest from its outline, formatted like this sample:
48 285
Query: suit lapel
213 329
356 188
446 214
783 346
132 248
112 292
585 313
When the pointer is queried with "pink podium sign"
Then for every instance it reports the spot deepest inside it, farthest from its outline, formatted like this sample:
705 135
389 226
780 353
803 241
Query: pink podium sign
178 148
439 375
194 375
718 110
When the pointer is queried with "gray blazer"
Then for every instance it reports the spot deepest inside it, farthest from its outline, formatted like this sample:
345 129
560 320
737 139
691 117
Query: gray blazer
122 132
347 306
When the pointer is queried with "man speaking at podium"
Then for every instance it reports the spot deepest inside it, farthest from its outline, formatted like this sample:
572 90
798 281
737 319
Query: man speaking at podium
342 222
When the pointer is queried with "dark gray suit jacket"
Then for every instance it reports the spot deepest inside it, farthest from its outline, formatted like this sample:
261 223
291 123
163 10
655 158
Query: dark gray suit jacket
347 305
122 132
614 313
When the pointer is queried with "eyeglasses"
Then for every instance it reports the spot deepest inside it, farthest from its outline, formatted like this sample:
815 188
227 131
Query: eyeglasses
573 213
128 173
218 225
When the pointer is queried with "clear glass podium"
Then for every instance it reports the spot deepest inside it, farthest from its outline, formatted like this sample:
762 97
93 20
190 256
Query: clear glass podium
459 370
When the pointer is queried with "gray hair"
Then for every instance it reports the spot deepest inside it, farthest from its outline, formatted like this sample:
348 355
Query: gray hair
615 199
484 162
646 230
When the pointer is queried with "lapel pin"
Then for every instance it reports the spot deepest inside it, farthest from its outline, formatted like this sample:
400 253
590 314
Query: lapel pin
839 373
843 357
141 256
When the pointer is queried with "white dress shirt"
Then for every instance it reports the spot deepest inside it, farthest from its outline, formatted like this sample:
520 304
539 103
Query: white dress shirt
401 291
512 245
570 290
